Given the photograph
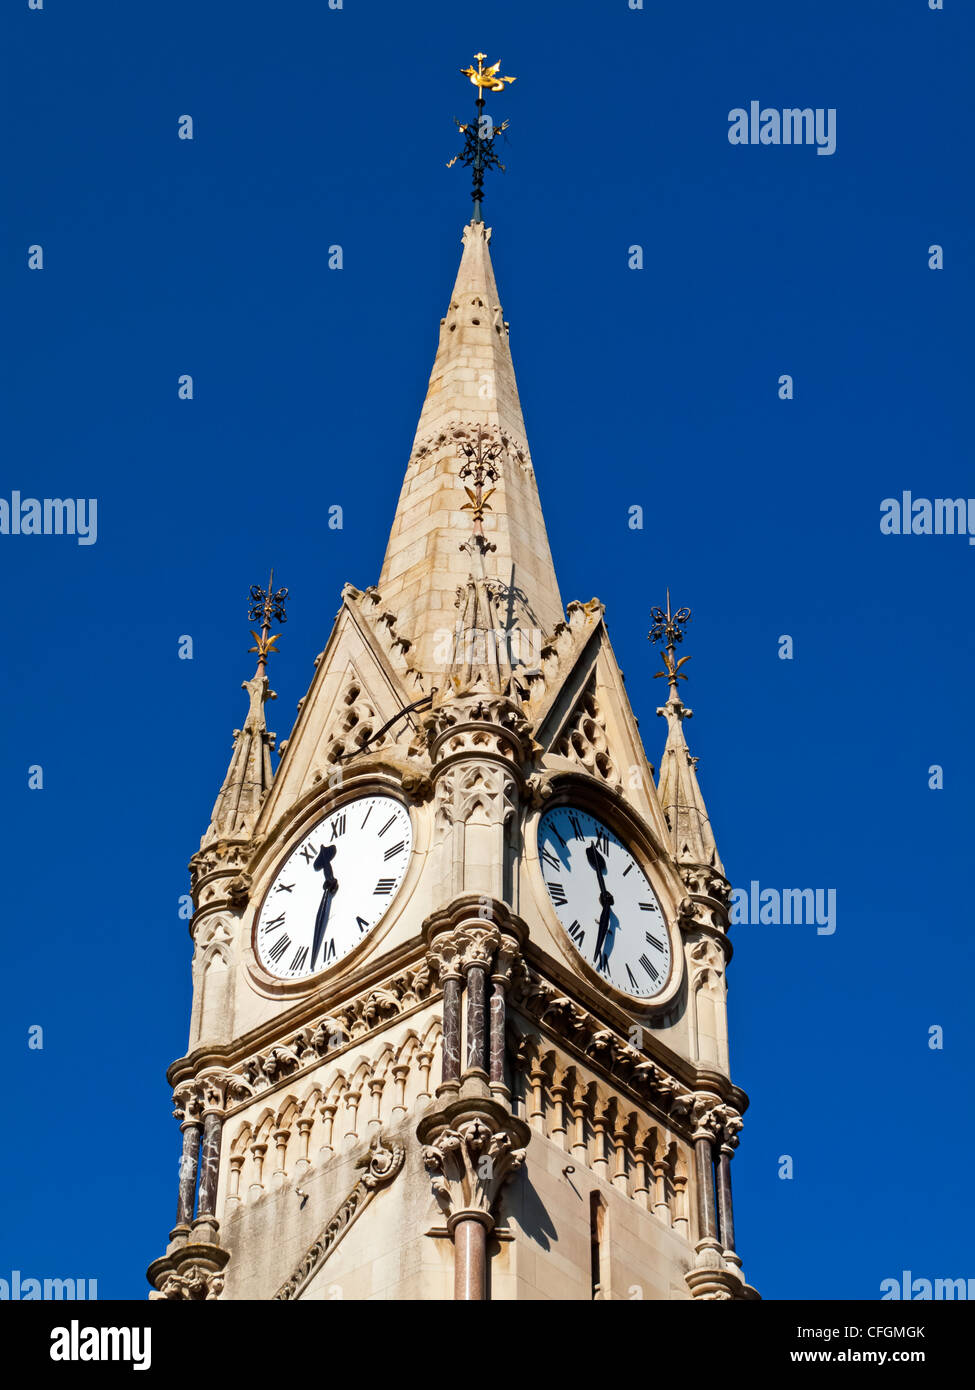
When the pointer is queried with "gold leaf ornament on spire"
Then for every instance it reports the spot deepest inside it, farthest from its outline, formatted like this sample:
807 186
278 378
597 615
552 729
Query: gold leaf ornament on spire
487 78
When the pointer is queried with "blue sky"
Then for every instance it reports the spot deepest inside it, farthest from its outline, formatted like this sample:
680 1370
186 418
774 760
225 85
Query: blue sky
655 387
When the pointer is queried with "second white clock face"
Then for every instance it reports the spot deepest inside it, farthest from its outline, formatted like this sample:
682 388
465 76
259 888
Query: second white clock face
604 901
334 887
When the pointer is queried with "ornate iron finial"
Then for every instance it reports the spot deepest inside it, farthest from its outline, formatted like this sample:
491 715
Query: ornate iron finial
481 466
669 626
266 607
479 136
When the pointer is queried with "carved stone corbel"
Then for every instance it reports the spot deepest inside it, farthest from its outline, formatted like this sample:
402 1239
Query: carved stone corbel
469 1165
472 1146
191 1273
239 890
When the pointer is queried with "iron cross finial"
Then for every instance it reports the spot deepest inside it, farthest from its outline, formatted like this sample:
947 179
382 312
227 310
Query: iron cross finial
266 607
668 627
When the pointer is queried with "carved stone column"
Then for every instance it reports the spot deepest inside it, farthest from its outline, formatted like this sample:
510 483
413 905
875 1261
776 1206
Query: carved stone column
472 1143
712 1277
661 1171
188 1164
444 959
505 959
210 1164
470 1259
477 1030
731 1123
465 953
192 1267
706 1220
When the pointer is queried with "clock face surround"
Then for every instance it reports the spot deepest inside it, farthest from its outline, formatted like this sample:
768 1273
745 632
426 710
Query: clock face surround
334 887
604 901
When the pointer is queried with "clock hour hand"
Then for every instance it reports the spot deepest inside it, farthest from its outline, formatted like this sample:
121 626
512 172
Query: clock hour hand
604 917
598 863
329 888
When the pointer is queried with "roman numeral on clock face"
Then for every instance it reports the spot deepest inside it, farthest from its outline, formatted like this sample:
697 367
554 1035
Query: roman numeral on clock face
338 826
602 841
273 924
309 852
362 924
394 850
577 934
391 821
551 859
633 984
385 885
558 893
575 825
648 907
279 947
298 962
650 968
654 942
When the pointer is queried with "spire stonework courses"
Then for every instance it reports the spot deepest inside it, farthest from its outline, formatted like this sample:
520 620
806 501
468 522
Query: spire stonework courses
472 387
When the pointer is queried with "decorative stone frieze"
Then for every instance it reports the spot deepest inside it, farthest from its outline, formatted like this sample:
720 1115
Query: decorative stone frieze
609 1052
354 1020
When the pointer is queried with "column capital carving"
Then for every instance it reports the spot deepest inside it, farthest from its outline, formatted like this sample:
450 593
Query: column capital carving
453 953
469 932
470 1158
507 961
700 1109
729 1124
221 1089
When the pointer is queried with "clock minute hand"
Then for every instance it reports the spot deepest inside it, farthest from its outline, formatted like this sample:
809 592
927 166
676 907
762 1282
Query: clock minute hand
329 888
605 897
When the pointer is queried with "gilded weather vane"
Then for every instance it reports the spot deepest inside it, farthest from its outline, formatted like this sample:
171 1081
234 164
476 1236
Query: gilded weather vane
266 607
479 135
669 627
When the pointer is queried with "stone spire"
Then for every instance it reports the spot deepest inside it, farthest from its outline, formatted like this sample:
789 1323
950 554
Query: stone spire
680 795
249 774
678 789
472 397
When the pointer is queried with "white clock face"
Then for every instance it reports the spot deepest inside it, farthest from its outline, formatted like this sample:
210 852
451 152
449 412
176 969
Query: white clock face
333 887
604 901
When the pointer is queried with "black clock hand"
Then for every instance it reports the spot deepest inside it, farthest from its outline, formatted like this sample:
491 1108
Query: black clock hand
605 898
604 917
329 888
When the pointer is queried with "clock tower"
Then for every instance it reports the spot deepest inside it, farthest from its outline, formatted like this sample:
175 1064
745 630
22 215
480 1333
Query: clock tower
458 1024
